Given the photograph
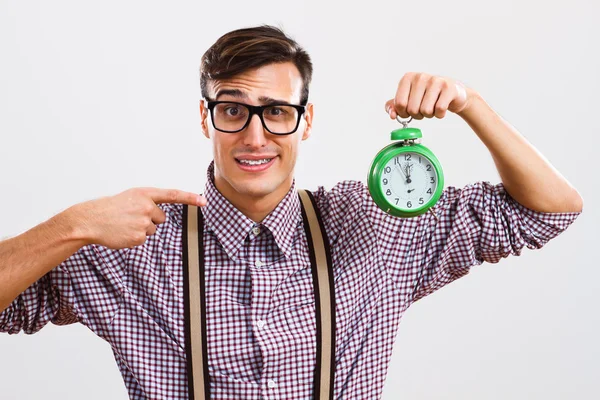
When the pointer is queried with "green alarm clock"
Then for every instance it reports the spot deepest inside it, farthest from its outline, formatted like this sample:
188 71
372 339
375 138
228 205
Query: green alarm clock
406 178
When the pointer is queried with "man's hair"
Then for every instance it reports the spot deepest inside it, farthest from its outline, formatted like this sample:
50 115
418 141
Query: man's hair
248 48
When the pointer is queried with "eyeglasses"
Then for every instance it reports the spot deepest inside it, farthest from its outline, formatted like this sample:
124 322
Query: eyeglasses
277 118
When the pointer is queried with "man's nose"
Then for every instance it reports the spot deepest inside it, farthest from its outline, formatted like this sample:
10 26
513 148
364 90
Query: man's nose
254 134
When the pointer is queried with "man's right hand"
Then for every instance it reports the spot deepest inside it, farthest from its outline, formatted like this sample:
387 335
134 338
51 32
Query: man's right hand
116 222
126 219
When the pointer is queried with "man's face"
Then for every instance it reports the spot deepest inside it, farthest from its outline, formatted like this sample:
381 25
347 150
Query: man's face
280 82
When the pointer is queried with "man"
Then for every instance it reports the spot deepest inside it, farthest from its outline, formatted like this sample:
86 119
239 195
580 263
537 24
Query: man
115 263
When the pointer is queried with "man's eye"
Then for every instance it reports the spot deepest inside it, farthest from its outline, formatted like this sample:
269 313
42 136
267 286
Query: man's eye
276 111
232 110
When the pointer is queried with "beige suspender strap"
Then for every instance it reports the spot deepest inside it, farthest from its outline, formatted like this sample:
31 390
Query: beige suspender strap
195 308
324 296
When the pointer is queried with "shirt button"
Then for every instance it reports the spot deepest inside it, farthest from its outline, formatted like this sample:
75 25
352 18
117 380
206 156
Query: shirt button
258 263
256 231
260 323
271 383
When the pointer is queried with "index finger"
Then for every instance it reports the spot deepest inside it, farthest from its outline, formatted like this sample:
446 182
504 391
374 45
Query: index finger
400 101
175 196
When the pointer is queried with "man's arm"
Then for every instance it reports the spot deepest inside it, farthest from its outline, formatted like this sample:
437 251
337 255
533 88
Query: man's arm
116 222
26 258
527 176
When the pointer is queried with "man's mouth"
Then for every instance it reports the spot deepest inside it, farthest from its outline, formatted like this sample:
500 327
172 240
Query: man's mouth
254 162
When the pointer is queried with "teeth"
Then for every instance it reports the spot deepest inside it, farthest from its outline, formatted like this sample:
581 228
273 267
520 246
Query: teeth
255 162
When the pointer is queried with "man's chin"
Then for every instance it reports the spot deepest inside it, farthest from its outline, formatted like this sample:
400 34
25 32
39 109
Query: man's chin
254 189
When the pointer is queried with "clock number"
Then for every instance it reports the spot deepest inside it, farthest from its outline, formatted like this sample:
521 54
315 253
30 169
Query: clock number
397 199
385 181
388 192
409 204
388 170
429 168
396 161
429 191
432 180
407 157
419 159
421 200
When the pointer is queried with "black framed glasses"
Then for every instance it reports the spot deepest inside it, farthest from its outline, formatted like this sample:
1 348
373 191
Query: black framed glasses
276 118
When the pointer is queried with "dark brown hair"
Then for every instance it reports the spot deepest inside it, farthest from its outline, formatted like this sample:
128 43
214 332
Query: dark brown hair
248 48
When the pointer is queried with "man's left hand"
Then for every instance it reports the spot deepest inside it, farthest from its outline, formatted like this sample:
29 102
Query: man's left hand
422 95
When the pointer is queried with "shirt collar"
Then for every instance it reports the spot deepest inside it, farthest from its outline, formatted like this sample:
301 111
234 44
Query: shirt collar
231 226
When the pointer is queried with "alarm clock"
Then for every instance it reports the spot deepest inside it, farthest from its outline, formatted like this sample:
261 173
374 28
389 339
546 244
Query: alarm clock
405 178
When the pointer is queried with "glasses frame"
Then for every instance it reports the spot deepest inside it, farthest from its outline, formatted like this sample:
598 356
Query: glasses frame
258 110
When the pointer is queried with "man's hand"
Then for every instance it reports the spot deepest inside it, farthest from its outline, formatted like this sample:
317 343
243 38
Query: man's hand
116 222
421 95
527 176
126 219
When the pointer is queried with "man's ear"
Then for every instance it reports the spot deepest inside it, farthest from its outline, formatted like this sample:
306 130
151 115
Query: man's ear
308 116
204 119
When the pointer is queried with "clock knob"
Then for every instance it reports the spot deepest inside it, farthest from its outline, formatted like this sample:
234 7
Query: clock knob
406 134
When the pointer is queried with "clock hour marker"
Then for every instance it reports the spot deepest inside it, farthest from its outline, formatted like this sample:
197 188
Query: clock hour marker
409 180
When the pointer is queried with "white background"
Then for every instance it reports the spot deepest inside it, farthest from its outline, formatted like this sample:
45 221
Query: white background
98 97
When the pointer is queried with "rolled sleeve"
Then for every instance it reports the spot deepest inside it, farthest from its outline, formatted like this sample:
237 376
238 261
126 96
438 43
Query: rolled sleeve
479 222
50 299
508 226
86 288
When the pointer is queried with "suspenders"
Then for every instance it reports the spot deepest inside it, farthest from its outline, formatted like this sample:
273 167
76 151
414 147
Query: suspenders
195 308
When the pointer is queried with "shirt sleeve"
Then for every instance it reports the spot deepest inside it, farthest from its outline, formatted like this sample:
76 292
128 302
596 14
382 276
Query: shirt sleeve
479 222
86 287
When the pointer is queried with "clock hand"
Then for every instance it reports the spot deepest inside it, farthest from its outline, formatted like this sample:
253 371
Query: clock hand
400 168
407 174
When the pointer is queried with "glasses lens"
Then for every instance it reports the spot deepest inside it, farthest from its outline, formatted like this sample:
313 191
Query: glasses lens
230 116
281 119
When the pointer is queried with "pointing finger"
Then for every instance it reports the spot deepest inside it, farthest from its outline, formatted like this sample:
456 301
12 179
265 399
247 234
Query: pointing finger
175 196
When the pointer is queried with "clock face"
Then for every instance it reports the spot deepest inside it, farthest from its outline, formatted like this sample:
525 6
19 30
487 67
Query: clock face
409 180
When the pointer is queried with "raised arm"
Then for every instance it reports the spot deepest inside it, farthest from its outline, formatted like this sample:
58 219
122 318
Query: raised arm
526 174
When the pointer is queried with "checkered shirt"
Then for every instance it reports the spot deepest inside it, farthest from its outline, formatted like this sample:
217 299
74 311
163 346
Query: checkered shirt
260 303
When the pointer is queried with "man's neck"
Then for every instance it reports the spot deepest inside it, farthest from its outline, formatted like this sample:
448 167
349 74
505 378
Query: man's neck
254 207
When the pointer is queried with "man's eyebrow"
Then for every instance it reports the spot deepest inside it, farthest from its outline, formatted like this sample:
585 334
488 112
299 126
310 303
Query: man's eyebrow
231 92
265 100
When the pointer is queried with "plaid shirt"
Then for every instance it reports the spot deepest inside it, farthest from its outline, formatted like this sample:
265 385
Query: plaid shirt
259 292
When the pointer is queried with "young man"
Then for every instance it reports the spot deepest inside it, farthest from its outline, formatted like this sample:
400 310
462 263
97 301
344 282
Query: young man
115 263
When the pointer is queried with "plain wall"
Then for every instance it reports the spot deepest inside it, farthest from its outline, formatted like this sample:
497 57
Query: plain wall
98 97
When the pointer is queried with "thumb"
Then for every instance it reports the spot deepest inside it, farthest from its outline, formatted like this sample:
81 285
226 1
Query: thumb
390 109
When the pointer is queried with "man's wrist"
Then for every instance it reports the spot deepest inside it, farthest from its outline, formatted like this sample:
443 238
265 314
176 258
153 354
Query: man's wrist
72 222
475 104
